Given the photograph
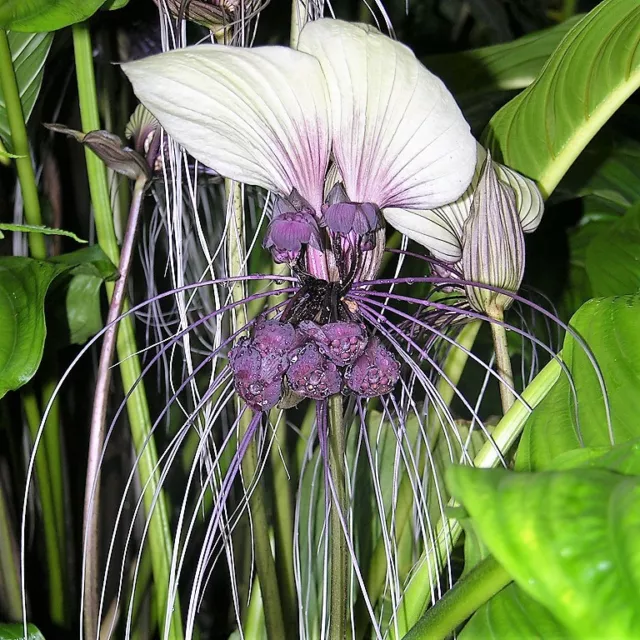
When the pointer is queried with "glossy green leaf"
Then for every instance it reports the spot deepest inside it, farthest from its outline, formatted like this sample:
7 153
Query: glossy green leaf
623 458
29 53
113 5
45 15
568 538
501 67
610 328
513 613
24 283
31 228
593 71
16 632
612 258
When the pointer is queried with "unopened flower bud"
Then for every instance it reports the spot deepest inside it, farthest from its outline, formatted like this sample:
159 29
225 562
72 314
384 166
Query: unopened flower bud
493 250
341 342
313 375
375 372
342 216
109 148
257 378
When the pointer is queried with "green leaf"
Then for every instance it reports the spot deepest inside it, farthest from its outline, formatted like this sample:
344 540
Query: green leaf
512 613
593 71
32 228
45 15
76 313
610 328
29 53
623 458
23 286
613 257
568 538
113 5
501 67
16 632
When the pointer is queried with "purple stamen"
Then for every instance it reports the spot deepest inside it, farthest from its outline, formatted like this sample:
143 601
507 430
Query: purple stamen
375 372
341 342
313 375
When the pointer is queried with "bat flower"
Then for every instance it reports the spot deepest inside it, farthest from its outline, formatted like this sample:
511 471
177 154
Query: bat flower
274 117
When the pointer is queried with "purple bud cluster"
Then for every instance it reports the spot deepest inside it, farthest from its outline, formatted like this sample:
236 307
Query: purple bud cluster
314 361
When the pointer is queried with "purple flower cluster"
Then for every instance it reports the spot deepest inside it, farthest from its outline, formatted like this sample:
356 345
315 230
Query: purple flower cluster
313 361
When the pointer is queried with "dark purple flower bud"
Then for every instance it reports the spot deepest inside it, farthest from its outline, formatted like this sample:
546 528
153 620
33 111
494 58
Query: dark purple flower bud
313 375
375 372
342 216
257 379
274 337
341 342
288 231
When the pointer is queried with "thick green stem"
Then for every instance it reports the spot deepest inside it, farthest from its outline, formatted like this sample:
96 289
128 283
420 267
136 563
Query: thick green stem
20 143
470 593
160 538
427 571
265 564
9 564
338 551
452 368
503 361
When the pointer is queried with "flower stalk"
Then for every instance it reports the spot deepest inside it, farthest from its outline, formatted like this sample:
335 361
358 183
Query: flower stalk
265 564
339 555
160 538
471 592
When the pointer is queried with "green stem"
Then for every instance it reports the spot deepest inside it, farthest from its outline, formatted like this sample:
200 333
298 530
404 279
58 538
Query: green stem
9 566
452 369
338 551
55 574
99 416
265 564
52 482
503 361
20 143
471 592
418 591
159 532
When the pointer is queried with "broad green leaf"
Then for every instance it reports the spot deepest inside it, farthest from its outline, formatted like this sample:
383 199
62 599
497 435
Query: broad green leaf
623 458
32 228
16 632
610 328
613 257
593 71
45 15
23 286
512 613
113 5
568 538
501 67
29 53
77 314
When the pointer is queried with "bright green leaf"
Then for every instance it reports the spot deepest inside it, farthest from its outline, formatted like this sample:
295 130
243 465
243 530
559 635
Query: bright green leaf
113 5
501 67
593 71
23 286
512 613
45 15
32 228
613 257
568 538
29 53
623 458
16 632
610 328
